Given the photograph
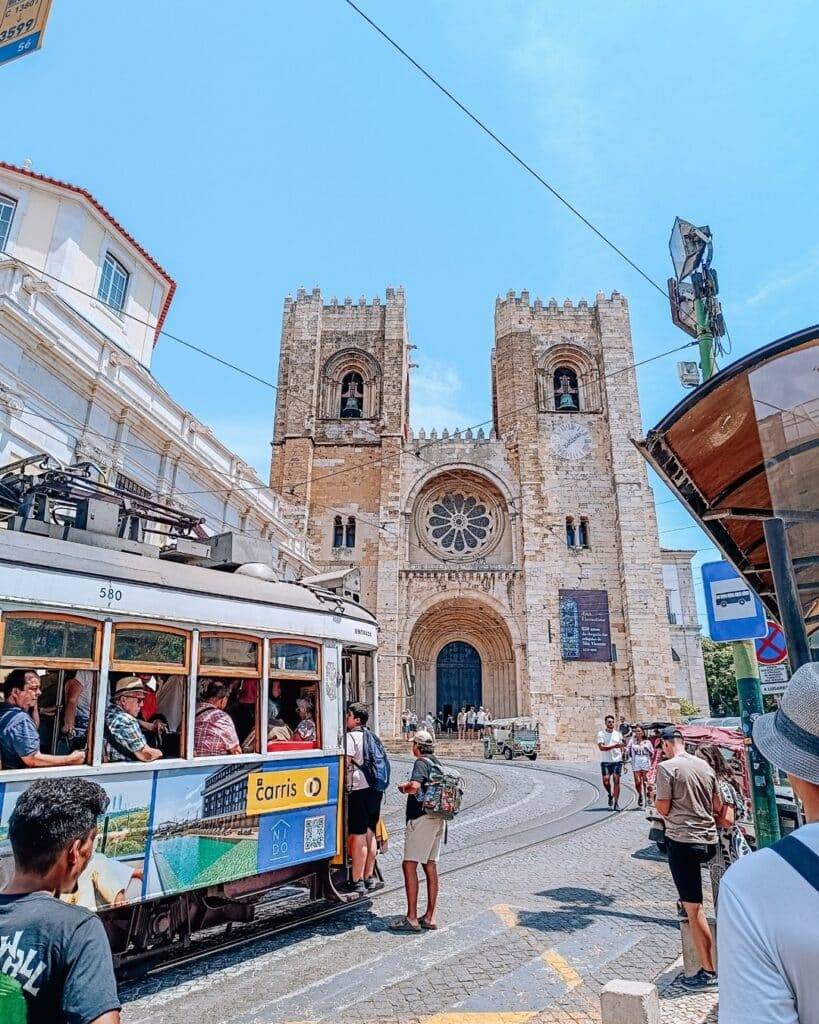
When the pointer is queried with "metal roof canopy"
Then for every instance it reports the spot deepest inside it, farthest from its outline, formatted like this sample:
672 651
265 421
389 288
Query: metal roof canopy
744 447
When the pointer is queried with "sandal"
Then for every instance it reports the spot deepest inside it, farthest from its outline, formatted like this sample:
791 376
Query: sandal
401 924
427 927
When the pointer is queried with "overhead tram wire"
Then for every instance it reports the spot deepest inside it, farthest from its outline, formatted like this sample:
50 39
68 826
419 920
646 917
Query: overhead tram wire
267 383
508 149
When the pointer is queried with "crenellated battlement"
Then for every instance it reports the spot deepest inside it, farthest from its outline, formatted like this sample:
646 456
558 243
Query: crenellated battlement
479 436
354 311
514 301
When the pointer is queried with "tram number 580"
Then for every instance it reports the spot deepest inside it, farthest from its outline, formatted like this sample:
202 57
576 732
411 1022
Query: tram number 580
110 594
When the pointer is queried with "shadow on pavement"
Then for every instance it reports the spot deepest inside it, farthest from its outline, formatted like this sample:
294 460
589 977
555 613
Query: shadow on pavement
580 908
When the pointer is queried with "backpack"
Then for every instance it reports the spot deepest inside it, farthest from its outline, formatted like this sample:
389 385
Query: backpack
443 794
375 764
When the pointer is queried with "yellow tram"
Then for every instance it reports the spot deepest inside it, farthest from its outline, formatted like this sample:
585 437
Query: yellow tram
187 841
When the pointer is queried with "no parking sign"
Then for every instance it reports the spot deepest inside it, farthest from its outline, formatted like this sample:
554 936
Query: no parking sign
771 649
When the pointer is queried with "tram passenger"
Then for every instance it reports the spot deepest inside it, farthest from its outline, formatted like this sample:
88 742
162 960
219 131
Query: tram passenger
214 733
306 729
79 697
19 739
124 740
170 700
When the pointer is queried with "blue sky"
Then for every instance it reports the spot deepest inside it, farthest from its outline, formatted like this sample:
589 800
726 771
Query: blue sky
270 145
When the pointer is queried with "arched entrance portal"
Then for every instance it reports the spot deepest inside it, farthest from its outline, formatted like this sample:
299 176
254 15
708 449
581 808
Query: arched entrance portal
462 651
458 677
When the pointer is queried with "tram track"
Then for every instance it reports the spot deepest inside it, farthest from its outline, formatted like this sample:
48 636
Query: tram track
233 937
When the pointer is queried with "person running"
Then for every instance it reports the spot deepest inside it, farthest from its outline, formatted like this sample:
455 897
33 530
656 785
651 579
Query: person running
688 799
610 744
56 966
640 752
422 841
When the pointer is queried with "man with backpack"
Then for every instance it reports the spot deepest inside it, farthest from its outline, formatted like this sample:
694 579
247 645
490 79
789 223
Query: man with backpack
433 798
368 776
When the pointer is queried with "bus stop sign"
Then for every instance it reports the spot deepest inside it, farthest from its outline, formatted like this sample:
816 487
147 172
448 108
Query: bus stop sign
734 611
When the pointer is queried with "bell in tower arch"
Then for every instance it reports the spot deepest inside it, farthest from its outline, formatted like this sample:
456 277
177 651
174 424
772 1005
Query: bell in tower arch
566 390
352 396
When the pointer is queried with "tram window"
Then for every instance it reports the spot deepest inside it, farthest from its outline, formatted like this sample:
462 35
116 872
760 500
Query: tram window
66 707
227 653
142 646
229 694
39 639
136 727
292 657
293 715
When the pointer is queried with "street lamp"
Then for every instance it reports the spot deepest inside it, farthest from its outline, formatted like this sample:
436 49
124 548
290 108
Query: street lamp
693 291
689 247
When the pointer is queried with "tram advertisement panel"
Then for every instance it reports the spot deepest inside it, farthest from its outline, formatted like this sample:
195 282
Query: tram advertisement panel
169 831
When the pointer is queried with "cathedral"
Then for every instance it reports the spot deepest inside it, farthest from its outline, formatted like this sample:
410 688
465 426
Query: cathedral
516 567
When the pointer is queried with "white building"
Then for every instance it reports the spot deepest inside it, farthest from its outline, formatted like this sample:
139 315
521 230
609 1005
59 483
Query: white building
81 308
686 642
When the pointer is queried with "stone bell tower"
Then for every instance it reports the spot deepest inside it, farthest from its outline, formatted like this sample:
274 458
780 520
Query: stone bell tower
340 425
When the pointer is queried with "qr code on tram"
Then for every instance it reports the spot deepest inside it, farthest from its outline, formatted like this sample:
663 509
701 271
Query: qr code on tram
314 833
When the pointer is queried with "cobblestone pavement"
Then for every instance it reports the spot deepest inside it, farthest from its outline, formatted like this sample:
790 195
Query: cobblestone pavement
525 937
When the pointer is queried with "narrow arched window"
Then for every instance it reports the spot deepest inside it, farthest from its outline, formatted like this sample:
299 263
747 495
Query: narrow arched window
338 533
583 533
566 391
570 536
352 396
350 539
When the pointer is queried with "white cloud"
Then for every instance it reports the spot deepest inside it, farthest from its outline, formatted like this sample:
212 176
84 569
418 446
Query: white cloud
785 279
437 397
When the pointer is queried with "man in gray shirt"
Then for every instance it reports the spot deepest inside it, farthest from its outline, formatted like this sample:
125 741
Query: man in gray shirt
687 798
55 960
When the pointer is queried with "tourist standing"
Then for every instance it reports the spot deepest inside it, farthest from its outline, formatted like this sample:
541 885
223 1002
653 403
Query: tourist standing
688 798
57 966
470 721
422 841
363 804
610 744
768 933
480 720
461 723
640 751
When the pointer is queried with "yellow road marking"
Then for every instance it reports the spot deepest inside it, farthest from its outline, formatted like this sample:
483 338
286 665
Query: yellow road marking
471 1017
507 914
561 966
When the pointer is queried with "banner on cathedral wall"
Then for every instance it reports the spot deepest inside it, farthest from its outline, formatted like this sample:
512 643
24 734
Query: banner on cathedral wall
585 632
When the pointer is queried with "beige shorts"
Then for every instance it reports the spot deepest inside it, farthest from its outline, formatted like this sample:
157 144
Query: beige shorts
422 842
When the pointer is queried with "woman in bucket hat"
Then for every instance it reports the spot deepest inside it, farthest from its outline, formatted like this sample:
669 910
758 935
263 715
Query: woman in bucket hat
768 936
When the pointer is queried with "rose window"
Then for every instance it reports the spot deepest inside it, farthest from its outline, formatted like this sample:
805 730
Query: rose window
459 523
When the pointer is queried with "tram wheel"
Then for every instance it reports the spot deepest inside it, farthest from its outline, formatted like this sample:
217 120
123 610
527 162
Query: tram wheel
532 757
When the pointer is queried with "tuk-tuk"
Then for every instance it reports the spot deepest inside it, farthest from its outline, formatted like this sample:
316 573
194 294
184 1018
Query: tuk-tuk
512 737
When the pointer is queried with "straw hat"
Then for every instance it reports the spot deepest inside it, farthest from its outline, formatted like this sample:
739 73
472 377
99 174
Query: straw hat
789 737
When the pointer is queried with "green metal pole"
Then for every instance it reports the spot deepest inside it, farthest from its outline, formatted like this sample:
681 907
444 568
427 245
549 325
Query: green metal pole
763 794
746 669
705 339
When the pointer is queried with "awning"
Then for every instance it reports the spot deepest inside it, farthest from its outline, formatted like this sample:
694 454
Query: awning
743 447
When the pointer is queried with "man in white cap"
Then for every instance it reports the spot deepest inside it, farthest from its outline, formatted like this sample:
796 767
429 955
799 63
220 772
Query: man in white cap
768 934
422 841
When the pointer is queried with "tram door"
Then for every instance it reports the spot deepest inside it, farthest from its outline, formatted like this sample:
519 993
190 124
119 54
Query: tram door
458 676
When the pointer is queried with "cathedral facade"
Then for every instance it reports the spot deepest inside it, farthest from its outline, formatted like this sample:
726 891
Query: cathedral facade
516 567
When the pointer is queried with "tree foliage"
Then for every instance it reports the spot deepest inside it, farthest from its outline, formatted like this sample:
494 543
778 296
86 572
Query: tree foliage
720 678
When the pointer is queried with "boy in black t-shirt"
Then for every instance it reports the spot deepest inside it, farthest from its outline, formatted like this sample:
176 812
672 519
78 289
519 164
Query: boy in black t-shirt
55 961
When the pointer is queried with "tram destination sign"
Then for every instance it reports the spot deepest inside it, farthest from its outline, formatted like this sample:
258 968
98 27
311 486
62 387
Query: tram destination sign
585 632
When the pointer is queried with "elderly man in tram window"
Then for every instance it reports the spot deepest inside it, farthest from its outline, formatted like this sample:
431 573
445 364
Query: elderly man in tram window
19 739
124 739
214 733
